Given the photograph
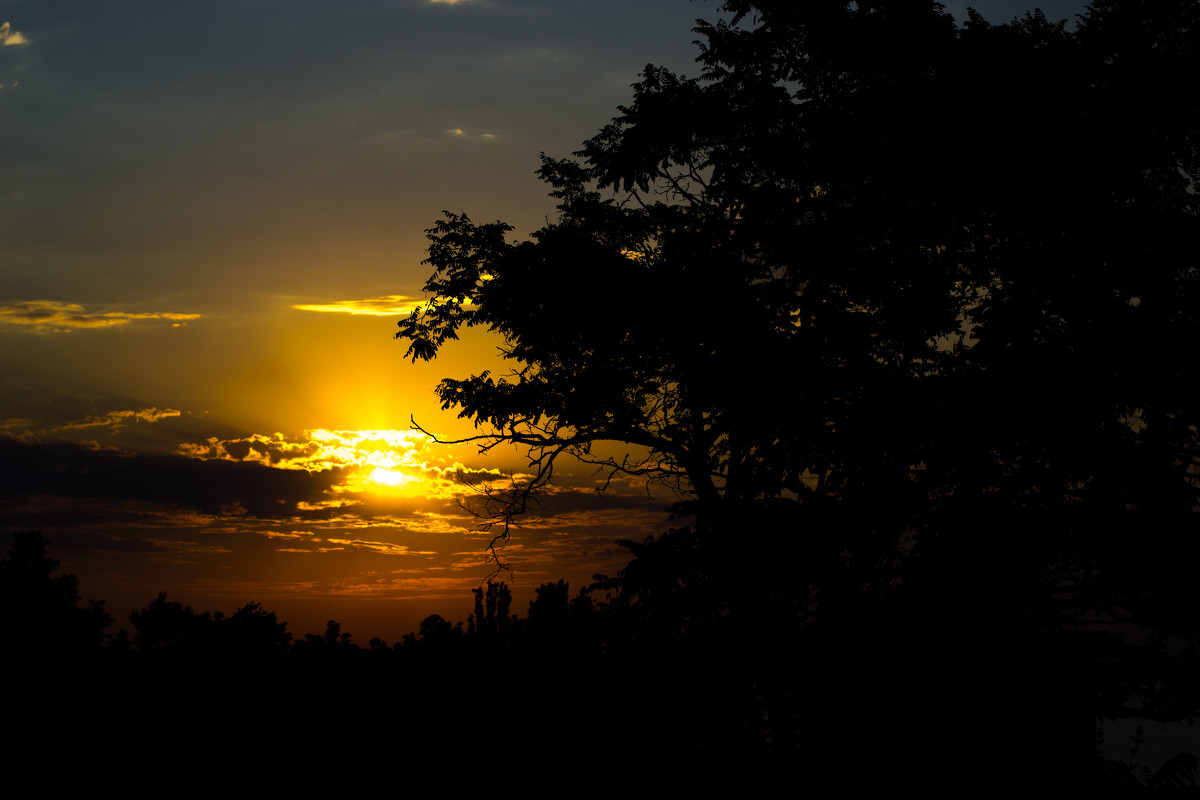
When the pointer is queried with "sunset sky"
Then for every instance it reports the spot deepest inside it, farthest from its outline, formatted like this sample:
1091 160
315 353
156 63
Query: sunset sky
211 218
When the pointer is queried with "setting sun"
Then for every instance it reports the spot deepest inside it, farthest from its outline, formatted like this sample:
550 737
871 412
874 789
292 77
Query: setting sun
390 477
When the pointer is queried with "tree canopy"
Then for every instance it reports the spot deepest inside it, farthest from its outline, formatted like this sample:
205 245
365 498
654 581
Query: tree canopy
903 309
872 264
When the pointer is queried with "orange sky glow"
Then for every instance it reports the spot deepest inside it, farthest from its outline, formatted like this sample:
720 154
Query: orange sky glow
210 225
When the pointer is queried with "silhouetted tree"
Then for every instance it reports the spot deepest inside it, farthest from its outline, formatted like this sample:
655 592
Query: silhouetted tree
549 611
254 631
880 296
491 621
333 638
42 615
435 627
824 264
168 626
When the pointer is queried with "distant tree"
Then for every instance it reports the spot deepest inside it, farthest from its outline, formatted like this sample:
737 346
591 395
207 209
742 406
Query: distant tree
168 626
333 637
436 638
42 615
549 611
491 621
435 628
252 630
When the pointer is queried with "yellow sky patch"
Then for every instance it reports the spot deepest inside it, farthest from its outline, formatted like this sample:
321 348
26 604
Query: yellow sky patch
391 305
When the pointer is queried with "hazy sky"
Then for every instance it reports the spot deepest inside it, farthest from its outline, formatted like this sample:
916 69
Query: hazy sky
212 216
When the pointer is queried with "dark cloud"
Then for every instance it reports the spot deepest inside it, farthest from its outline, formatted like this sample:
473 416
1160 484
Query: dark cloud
270 450
68 470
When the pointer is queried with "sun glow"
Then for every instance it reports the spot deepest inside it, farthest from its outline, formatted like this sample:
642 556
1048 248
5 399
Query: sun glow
391 477
383 460
406 463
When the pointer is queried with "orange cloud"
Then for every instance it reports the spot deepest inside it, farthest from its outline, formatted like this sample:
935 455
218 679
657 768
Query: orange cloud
51 316
383 462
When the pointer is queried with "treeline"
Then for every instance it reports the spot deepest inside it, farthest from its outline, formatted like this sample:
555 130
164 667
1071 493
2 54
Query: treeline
576 679
48 618
617 677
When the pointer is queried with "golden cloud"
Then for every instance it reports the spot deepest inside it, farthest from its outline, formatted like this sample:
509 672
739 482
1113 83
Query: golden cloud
383 548
304 535
384 462
387 306
9 36
118 418
51 316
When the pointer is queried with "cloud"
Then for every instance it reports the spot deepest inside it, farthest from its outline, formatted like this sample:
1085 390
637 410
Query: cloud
116 419
216 488
459 133
9 36
392 463
270 450
451 2
391 305
51 316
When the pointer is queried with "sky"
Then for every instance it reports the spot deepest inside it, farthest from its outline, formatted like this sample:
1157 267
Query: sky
212 216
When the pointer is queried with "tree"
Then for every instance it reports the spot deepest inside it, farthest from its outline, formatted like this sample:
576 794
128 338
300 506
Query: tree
495 624
254 631
880 295
42 613
798 279
168 626
333 640
550 610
